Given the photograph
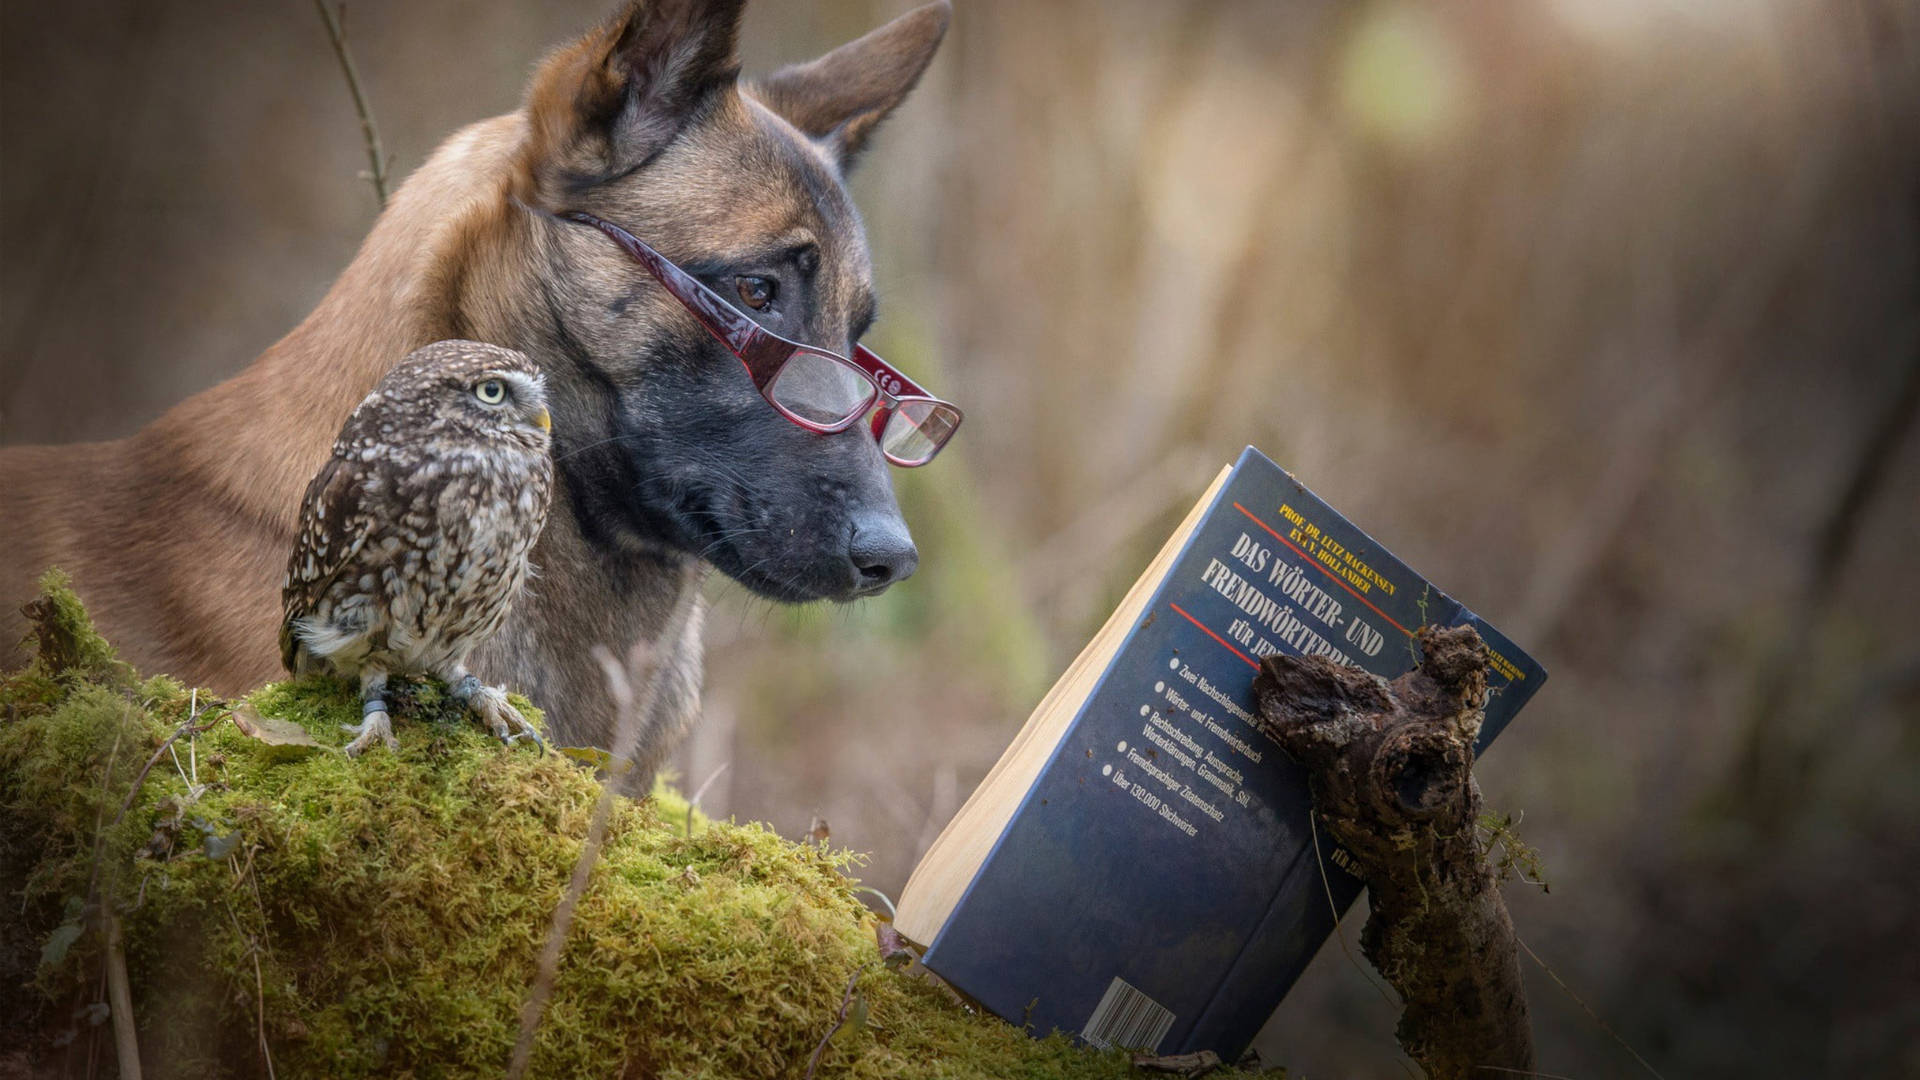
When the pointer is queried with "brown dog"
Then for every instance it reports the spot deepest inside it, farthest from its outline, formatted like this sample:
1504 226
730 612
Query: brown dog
177 536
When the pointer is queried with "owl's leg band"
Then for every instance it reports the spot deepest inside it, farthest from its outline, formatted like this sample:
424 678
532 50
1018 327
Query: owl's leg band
374 722
464 690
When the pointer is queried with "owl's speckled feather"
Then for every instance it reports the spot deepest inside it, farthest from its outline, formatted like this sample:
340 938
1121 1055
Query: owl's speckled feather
414 535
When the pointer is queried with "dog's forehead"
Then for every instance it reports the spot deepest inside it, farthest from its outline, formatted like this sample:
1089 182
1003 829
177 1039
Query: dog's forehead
745 181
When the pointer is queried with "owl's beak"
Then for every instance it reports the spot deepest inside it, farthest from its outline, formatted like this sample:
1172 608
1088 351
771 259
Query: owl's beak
545 420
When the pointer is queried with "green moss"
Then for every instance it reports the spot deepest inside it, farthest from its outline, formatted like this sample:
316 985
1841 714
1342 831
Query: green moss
383 915
64 646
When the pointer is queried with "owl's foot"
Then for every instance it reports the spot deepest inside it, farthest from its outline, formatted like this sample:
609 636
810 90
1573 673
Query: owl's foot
374 724
491 705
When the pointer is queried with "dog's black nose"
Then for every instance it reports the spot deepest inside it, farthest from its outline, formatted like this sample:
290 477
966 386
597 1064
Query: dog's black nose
881 551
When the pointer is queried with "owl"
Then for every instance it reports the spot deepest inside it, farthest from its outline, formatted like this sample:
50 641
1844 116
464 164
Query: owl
414 535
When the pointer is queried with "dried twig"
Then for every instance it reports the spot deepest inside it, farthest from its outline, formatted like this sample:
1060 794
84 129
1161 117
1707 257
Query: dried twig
1190 1066
260 1008
369 133
631 719
1391 772
186 728
126 1043
119 992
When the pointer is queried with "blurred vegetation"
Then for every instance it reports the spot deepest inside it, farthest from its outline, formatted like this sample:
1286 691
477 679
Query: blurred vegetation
1592 310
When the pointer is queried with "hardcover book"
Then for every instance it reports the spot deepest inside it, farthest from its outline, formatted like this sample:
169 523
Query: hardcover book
1139 868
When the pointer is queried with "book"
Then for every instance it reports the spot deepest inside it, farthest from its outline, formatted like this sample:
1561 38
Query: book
1140 868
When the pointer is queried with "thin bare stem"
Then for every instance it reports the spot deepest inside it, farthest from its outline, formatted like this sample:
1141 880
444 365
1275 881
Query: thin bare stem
187 728
882 897
1588 1009
631 719
369 133
100 833
260 1009
119 991
839 1020
259 984
694 802
1340 935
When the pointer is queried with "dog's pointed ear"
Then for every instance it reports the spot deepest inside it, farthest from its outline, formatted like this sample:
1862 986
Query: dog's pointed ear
841 97
613 99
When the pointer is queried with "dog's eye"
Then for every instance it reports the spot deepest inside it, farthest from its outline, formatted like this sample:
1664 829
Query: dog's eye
755 292
491 391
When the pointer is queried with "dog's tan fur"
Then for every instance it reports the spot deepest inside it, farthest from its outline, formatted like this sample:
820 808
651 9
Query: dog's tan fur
178 535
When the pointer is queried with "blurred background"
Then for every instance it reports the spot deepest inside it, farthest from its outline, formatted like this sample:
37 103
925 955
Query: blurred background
1603 314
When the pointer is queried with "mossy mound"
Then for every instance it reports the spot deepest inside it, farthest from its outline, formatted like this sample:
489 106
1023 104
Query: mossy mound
383 916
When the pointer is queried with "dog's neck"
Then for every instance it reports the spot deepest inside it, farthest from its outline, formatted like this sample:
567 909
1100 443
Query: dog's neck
254 440
446 259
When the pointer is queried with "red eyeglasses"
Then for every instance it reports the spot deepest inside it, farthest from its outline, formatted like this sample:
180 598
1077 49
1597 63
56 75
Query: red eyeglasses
819 390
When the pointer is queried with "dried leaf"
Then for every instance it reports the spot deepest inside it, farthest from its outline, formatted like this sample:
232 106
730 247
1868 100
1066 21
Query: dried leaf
280 740
597 758
58 942
1190 1066
857 1016
893 948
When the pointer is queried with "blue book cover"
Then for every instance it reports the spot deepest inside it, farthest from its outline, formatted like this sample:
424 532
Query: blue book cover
1158 886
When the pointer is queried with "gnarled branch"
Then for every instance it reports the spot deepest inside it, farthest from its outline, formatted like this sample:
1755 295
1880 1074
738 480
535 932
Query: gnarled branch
1391 765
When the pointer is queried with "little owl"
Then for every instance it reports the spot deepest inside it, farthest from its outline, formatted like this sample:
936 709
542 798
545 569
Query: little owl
414 535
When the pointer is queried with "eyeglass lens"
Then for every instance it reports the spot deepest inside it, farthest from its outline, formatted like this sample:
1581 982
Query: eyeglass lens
916 430
821 389
827 391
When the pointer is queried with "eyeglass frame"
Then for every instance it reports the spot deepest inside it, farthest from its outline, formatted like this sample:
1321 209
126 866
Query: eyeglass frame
764 353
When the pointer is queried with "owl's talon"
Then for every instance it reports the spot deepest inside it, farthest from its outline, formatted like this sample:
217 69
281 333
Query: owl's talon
490 704
529 733
376 725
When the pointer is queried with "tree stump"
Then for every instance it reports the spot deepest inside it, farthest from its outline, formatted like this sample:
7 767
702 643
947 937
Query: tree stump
1391 766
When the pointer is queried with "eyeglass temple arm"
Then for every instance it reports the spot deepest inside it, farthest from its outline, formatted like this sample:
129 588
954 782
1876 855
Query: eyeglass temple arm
735 331
888 378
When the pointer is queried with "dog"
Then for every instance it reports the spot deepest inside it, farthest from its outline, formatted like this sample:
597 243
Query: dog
667 456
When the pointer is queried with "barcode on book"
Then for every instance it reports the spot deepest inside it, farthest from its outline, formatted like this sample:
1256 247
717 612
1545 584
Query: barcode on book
1126 1017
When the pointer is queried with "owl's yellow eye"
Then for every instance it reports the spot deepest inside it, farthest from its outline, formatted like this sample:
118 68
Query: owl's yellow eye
491 391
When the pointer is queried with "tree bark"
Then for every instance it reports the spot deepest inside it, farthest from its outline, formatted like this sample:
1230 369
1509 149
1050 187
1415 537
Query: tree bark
1391 764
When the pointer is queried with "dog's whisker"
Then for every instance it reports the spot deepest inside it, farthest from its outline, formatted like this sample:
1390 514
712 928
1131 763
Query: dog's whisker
578 450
